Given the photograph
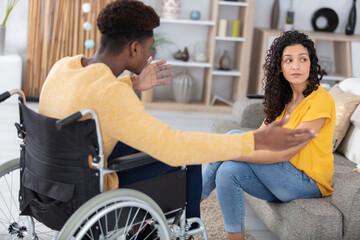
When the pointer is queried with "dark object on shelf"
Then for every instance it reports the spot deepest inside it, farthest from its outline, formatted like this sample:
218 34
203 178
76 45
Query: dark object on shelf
185 55
256 96
275 12
350 26
330 16
225 61
177 55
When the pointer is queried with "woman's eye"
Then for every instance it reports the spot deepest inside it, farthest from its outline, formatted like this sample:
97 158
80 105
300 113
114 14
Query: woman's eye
287 60
303 59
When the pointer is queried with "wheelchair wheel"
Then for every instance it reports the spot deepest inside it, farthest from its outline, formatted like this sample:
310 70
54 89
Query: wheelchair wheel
119 214
12 225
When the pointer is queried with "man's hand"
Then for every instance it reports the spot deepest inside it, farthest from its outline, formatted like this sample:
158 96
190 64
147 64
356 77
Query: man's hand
149 76
276 138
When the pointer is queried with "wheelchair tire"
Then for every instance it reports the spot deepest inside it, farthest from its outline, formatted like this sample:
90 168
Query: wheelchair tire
12 224
102 217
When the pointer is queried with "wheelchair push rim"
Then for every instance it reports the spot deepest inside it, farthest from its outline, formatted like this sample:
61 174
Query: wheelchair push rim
95 218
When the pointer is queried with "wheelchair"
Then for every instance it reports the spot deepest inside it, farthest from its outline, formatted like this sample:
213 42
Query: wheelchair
52 193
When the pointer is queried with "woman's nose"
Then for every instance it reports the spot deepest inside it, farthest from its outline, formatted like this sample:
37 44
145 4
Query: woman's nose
295 65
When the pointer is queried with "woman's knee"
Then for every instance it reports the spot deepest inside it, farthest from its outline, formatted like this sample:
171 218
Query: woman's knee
229 172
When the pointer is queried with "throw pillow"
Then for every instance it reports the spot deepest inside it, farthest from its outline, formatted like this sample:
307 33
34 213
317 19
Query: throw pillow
355 117
345 104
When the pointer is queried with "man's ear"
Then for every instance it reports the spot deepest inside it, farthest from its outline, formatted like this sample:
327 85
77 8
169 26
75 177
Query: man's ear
134 48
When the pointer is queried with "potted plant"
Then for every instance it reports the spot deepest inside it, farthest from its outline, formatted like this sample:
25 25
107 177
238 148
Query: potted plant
158 41
9 7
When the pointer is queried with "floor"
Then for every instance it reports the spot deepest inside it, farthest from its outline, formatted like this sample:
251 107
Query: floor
185 121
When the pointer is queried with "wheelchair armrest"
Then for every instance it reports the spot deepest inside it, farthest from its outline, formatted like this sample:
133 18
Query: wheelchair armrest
130 161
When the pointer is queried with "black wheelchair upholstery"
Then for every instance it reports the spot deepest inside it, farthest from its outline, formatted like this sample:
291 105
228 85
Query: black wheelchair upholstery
55 175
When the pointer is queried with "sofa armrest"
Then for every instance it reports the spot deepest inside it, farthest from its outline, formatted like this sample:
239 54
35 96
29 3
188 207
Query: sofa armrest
346 197
223 126
248 113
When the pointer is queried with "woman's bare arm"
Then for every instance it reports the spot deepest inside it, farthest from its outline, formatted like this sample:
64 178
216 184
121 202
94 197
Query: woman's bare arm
267 156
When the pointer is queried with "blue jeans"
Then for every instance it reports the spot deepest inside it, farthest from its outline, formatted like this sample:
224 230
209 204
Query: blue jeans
278 182
193 177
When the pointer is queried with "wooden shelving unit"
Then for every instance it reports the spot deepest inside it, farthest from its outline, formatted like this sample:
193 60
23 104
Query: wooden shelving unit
241 50
342 54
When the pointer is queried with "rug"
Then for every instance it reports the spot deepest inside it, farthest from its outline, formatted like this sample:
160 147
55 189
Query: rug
213 220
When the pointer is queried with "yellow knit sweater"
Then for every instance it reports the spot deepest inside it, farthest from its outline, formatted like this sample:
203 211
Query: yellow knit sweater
70 87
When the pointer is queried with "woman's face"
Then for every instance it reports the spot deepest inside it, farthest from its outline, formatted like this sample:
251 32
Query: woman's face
295 64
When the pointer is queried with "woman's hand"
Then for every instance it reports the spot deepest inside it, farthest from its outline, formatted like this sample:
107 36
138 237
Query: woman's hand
149 76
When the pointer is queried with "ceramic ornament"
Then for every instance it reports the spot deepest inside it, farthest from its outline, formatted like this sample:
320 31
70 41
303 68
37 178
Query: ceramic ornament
86 7
87 26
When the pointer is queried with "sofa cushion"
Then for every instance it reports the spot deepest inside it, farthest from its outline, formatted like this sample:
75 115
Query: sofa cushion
248 113
355 117
345 105
351 85
308 218
300 219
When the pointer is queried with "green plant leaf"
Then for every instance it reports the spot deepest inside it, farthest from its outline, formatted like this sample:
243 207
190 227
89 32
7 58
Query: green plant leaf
159 40
9 7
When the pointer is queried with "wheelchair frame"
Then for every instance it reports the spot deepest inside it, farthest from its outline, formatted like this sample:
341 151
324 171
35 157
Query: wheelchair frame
94 210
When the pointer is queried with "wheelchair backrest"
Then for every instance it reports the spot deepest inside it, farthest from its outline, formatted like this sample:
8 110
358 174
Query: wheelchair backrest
55 175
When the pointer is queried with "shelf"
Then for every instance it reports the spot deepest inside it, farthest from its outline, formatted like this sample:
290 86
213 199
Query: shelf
343 65
232 73
234 82
188 64
188 21
238 4
232 39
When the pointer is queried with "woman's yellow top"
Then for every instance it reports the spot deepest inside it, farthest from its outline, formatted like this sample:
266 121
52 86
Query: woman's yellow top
316 158
70 87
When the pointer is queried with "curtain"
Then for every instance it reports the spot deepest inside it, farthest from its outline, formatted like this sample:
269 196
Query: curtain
55 30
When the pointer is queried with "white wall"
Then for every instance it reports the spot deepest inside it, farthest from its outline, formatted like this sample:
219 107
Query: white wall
16 35
16 29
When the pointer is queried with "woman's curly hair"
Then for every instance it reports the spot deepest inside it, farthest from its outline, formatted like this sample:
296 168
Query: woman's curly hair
277 89
124 21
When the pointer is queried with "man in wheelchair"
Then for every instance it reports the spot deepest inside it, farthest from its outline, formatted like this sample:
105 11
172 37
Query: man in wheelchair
77 82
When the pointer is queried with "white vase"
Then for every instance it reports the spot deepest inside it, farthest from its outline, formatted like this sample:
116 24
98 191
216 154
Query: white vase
170 9
2 39
183 86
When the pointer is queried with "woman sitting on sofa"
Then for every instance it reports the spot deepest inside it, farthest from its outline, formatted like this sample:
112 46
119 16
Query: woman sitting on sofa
292 87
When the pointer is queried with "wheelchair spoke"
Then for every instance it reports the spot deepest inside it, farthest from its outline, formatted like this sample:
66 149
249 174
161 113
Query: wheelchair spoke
9 208
12 224
127 227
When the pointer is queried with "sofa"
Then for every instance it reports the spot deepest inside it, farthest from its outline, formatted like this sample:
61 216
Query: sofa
334 217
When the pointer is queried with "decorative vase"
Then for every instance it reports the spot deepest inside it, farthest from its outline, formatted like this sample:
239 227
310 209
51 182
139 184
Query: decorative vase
177 55
200 53
185 55
289 24
275 12
170 9
2 39
183 86
225 61
195 15
350 26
